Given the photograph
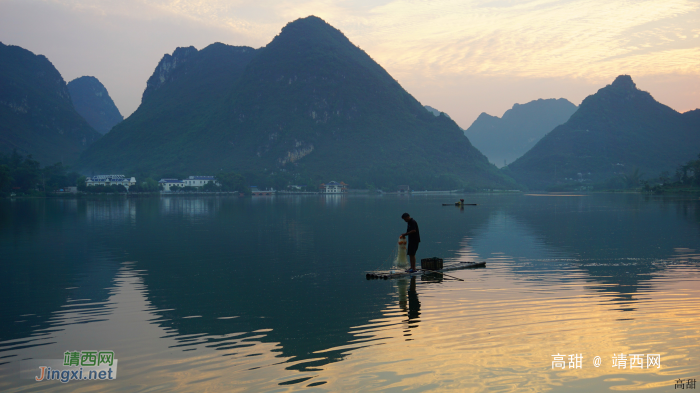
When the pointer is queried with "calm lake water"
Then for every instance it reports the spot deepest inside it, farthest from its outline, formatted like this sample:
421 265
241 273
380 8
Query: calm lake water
269 293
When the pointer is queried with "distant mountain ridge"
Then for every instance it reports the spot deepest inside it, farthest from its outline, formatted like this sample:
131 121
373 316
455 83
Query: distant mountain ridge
518 130
615 131
37 116
92 101
165 134
435 111
308 105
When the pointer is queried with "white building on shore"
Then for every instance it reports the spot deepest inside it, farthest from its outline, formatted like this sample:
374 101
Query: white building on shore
168 184
110 180
192 181
199 181
334 188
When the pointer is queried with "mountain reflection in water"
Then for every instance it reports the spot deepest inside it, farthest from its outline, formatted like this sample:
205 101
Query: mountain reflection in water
268 293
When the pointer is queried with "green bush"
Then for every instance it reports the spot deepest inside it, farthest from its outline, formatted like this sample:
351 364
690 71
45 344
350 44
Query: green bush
24 175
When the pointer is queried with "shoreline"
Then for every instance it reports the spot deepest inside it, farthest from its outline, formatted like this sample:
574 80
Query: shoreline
83 195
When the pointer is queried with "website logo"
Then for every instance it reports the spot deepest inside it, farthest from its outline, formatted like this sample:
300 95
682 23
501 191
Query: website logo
86 365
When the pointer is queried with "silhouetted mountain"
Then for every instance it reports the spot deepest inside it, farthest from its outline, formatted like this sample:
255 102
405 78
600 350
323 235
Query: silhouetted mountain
92 101
310 105
615 131
36 113
692 118
509 137
435 111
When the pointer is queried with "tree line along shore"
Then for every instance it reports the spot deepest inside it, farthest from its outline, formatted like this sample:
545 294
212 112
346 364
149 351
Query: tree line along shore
23 176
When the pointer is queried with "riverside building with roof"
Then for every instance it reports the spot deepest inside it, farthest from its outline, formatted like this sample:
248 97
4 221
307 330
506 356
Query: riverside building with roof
334 188
199 181
169 184
192 181
110 180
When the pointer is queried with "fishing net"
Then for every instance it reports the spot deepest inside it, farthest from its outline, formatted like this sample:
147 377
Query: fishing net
397 259
401 260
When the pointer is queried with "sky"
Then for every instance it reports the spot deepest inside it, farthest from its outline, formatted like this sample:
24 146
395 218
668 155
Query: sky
462 57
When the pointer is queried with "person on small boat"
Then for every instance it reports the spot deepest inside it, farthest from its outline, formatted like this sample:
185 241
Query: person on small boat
460 203
413 240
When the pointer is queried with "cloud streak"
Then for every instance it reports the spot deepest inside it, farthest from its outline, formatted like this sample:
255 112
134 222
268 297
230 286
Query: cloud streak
437 41
529 38
590 39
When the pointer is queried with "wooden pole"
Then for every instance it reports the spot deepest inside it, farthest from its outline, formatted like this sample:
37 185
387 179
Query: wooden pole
437 271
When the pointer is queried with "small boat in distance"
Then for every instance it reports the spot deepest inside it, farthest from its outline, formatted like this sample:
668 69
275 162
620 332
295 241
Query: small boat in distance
459 203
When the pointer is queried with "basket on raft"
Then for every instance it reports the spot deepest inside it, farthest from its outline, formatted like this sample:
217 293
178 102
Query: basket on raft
431 263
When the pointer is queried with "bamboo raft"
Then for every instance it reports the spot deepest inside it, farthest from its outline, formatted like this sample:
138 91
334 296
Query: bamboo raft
398 273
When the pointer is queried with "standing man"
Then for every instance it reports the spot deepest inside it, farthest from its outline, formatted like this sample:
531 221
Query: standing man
413 240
